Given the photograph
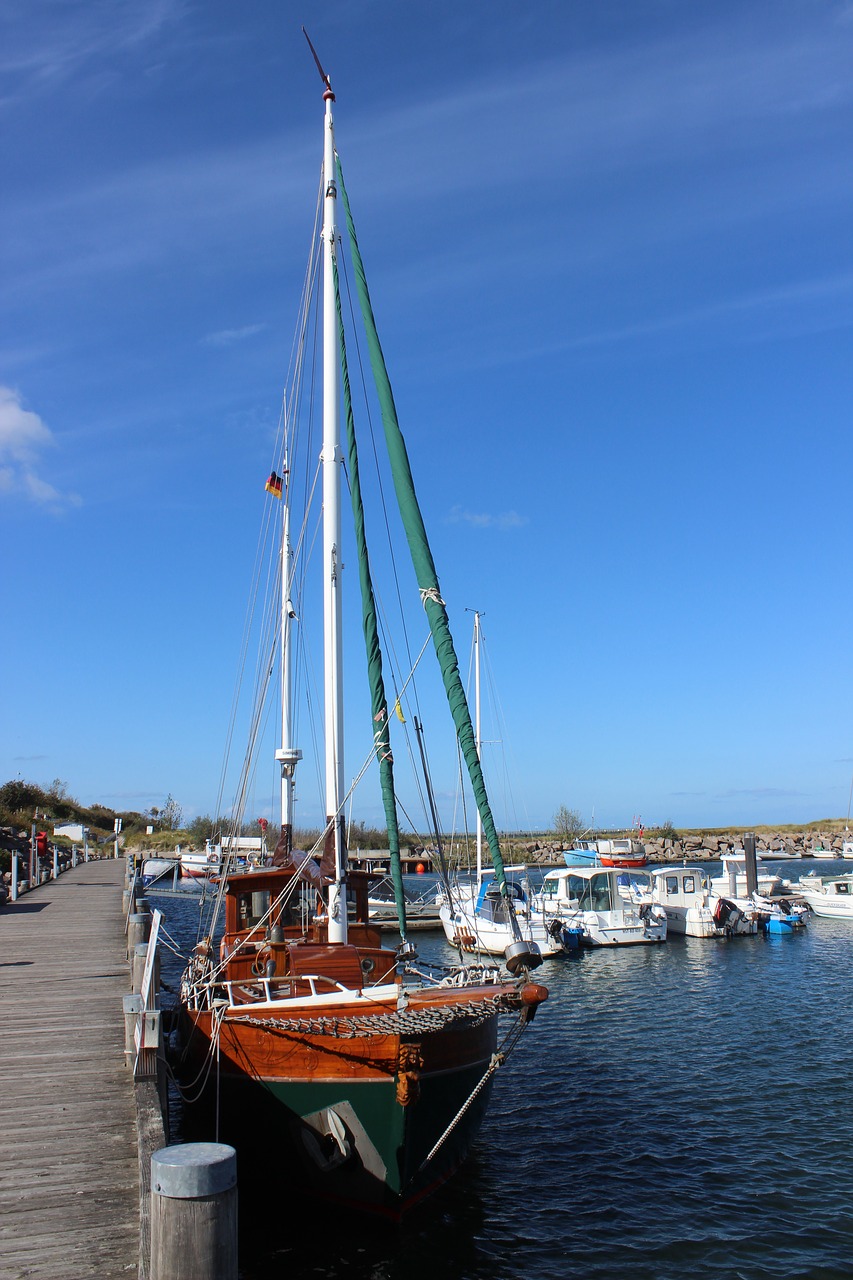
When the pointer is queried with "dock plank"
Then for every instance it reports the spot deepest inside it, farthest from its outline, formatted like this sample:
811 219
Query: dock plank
69 1177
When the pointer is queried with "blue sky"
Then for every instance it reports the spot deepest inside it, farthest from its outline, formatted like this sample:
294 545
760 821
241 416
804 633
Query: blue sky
611 253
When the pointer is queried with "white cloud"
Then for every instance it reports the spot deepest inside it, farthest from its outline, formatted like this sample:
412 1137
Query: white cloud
24 438
43 44
227 337
485 519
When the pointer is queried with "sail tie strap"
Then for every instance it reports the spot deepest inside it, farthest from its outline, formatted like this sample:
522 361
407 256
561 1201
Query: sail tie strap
431 593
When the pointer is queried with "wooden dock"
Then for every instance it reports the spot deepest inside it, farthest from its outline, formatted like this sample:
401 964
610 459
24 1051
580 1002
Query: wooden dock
69 1180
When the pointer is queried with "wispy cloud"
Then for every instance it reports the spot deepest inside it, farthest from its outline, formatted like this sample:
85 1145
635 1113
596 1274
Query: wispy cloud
228 337
43 45
760 793
485 519
24 441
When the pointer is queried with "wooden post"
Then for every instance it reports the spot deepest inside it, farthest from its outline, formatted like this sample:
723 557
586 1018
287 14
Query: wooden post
138 930
194 1212
132 1006
140 954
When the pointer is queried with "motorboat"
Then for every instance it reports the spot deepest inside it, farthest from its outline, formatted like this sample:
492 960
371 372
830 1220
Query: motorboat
588 898
196 863
828 895
731 882
626 852
691 907
582 853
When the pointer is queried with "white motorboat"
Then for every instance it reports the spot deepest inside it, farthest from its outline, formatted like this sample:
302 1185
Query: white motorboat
692 908
828 895
588 898
847 849
196 863
731 882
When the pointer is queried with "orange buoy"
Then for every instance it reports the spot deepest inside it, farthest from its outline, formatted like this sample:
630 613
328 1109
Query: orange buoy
420 869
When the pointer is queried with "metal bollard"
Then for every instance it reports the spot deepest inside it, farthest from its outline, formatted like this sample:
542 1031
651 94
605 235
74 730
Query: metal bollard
194 1212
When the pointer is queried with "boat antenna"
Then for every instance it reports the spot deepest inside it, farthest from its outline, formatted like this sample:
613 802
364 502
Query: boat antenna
326 81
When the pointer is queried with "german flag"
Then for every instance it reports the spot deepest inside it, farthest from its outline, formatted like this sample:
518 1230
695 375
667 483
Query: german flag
274 485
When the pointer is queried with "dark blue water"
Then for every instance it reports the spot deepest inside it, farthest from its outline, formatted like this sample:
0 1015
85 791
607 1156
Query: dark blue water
673 1111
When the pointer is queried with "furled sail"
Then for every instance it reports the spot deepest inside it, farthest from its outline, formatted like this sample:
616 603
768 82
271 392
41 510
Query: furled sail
378 700
422 560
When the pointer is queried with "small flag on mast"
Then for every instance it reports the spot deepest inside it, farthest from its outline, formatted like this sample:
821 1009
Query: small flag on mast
274 485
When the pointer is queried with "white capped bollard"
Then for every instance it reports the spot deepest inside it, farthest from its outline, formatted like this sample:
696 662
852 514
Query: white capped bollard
194 1212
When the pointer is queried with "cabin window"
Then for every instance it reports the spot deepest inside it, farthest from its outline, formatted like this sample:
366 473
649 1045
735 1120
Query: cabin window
576 887
843 888
251 908
672 884
689 884
599 898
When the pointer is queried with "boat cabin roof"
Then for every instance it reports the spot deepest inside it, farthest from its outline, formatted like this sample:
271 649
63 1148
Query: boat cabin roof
271 879
582 871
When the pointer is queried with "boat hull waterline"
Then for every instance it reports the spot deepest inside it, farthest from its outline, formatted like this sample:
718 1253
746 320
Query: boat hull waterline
355 1118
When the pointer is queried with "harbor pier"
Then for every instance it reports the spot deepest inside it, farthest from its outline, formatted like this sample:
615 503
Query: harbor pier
69 1158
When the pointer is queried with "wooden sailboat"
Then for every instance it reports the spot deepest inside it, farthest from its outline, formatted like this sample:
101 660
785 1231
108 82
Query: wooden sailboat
333 1062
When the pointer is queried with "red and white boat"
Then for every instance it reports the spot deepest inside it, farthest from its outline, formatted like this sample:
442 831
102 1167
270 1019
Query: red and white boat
622 853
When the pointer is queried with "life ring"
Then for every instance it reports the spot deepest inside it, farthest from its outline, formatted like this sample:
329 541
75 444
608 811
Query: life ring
261 960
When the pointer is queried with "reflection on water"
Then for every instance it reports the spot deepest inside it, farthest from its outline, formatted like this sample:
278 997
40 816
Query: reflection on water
673 1110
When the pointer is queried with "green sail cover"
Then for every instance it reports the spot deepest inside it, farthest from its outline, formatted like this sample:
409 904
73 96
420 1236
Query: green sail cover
379 702
422 560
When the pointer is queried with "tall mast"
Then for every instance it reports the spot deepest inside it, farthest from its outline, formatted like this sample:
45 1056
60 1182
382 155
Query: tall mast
477 738
332 458
287 755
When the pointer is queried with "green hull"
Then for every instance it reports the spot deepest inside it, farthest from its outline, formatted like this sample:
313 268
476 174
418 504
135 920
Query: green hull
349 1141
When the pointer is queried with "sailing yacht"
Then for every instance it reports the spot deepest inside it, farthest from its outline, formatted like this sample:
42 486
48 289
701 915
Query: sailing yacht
334 1063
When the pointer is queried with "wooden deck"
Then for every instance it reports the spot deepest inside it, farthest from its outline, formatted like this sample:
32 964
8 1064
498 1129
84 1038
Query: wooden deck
69 1182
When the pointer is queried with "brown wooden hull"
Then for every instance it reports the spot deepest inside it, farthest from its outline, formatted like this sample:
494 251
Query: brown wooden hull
353 1117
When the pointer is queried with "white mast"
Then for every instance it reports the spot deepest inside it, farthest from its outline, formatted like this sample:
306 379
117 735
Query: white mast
477 736
287 755
332 565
